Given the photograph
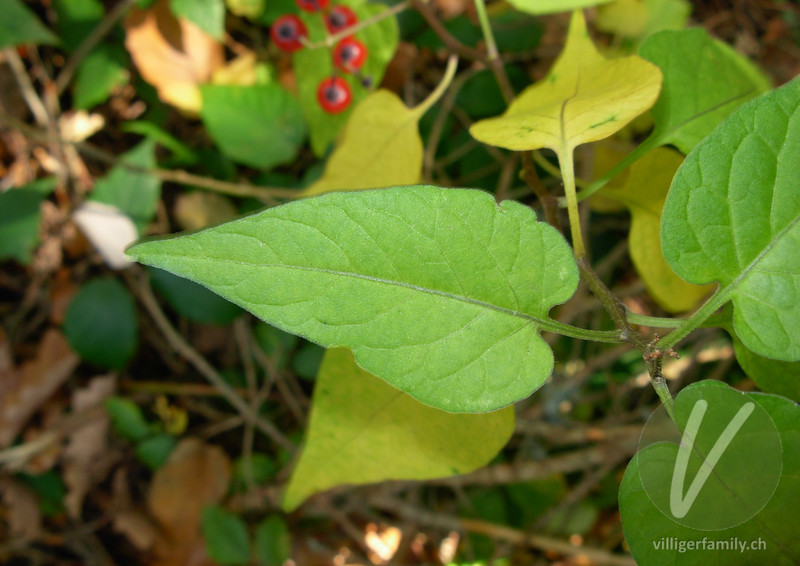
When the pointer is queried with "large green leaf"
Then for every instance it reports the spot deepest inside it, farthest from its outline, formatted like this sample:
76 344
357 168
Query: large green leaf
733 216
312 66
704 81
208 15
585 97
358 422
658 540
259 125
19 25
441 292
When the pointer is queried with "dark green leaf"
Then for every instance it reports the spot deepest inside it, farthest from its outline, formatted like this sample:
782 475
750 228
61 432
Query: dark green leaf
101 325
154 451
127 418
19 25
193 301
226 536
272 541
103 70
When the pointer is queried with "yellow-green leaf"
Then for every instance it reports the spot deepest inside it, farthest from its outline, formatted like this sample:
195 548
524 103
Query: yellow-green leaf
551 6
644 192
380 147
363 430
584 98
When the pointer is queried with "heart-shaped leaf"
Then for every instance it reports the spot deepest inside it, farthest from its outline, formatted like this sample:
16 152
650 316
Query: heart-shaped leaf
358 421
584 98
440 292
746 472
733 216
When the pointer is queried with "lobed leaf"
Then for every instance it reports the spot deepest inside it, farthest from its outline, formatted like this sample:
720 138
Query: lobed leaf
733 216
440 292
585 97
358 421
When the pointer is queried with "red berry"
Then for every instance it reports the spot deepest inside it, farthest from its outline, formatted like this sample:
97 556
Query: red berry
287 32
349 55
339 18
334 95
312 5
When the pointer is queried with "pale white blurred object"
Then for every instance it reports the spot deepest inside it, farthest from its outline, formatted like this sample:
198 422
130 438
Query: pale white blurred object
108 229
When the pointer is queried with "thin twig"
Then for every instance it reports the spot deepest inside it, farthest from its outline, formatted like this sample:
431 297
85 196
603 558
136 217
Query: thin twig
451 523
32 99
89 43
142 290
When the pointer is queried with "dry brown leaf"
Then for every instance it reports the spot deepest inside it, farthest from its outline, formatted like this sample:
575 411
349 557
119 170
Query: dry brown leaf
28 386
195 475
127 519
86 461
172 54
23 516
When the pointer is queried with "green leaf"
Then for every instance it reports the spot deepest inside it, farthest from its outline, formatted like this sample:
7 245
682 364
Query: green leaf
247 8
226 537
77 19
19 25
134 193
644 192
261 468
773 529
441 292
312 66
704 81
772 376
259 125
584 98
380 147
154 451
638 19
208 15
127 418
103 70
19 223
733 216
272 542
100 323
193 301
49 487
358 422
551 6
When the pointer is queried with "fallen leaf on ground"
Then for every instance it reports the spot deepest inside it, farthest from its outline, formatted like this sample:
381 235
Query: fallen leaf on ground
28 386
196 475
86 460
21 510
173 55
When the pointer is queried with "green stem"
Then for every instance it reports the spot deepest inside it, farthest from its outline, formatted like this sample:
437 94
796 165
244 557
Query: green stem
433 97
568 177
488 36
607 336
662 390
653 321
696 320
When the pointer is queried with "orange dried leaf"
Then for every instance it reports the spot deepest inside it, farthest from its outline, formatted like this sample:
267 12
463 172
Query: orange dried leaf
172 54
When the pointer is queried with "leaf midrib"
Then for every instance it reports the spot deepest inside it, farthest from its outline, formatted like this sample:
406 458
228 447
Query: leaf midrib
544 323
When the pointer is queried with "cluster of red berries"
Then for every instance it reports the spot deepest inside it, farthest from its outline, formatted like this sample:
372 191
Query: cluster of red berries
289 34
